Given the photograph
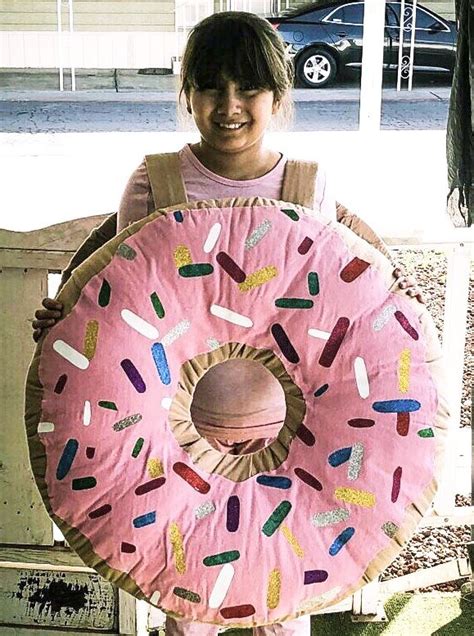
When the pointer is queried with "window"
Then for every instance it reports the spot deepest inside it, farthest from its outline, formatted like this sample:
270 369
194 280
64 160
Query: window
348 14
424 20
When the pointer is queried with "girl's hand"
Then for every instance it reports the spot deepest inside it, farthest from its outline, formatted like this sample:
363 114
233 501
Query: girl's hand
409 284
47 317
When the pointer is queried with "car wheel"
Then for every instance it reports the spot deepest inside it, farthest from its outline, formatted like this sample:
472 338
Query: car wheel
316 68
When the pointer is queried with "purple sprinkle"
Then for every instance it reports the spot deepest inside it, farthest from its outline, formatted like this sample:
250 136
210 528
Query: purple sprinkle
133 375
315 576
233 513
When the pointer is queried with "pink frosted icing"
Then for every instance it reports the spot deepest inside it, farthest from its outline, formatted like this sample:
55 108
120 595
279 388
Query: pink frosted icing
118 473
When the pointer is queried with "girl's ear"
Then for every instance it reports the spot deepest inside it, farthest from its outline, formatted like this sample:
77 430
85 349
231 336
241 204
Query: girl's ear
188 107
276 106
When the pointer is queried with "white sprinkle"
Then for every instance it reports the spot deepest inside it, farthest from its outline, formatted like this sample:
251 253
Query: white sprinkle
45 427
384 316
142 326
155 597
231 316
355 461
86 417
213 343
71 355
204 509
329 518
166 403
316 333
221 586
362 379
258 234
176 332
212 237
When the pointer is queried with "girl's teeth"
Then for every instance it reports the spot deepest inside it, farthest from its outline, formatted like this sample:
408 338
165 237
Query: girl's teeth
230 125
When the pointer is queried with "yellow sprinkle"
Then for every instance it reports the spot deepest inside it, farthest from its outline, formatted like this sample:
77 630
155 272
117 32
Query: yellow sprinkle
90 338
178 548
404 370
290 537
358 497
182 256
259 277
155 467
273 589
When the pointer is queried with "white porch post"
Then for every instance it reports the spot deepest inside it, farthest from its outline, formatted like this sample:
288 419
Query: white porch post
372 66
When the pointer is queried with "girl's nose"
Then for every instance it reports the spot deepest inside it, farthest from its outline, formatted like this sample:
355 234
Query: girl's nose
228 101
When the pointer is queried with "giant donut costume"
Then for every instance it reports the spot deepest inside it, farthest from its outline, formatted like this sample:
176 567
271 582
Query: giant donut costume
149 503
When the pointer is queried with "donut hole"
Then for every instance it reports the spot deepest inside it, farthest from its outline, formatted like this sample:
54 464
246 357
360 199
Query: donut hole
238 406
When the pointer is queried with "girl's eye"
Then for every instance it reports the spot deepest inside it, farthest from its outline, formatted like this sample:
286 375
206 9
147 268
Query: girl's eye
246 88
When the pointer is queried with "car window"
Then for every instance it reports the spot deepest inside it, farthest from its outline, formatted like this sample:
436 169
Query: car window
424 20
349 14
391 17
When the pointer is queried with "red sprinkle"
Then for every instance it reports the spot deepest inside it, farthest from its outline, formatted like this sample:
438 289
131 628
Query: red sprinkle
231 267
308 479
360 422
305 435
403 424
237 611
304 246
90 452
100 512
129 548
153 484
334 342
191 477
397 478
403 320
353 270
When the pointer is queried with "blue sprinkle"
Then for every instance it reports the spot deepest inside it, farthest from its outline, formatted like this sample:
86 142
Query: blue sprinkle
396 406
159 356
65 463
340 456
274 482
321 390
341 540
144 520
178 215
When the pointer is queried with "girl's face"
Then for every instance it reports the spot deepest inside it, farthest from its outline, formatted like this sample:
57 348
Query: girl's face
232 117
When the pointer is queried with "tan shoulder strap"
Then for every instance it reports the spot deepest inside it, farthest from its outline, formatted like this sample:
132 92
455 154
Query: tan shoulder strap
299 181
166 180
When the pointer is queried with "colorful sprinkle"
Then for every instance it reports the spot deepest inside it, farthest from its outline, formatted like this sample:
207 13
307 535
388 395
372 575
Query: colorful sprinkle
191 477
155 467
353 270
292 214
195 269
273 589
277 517
305 435
284 343
71 355
100 512
390 529
90 452
140 325
213 343
330 517
403 424
67 458
313 283
360 422
90 338
294 303
144 520
315 576
182 256
384 317
231 316
305 245
404 364
127 548
362 379
126 252
60 384
148 486
157 305
357 497
212 237
106 404
340 456
137 447
221 558
403 320
155 597
130 420
237 611
187 595
87 413
175 333
355 461
177 546
45 427
104 293
426 432
318 333
221 586
84 483
233 513
396 406
204 510
308 479
396 483
274 482
166 403
230 267
161 363
322 389
133 375
292 540
258 234
341 540
260 277
178 216
333 344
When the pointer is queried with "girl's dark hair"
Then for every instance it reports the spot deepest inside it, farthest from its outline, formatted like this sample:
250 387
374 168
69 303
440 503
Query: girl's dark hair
240 46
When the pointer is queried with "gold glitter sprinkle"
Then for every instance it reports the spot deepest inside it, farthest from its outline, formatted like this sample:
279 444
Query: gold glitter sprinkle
273 589
404 371
182 256
390 528
290 537
90 339
353 496
259 277
178 548
154 467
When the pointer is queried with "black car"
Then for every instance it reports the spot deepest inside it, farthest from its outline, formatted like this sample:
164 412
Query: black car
325 40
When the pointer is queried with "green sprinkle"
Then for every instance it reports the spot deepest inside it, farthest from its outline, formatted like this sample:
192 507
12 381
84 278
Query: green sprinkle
195 269
138 447
294 216
276 518
126 252
84 483
192 597
105 404
157 306
294 303
104 294
222 557
313 283
426 432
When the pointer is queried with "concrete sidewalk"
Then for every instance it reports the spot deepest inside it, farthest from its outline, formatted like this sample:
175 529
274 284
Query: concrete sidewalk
128 85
